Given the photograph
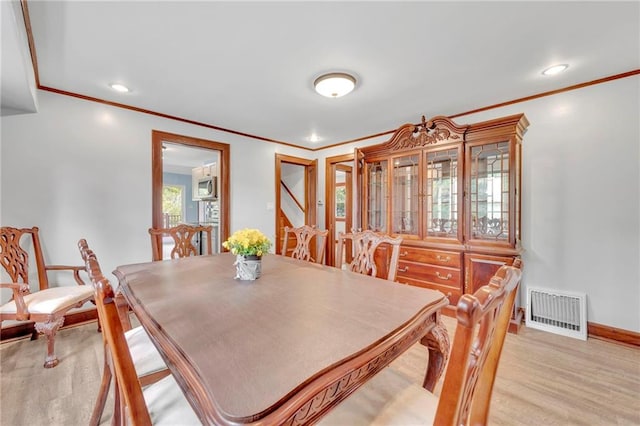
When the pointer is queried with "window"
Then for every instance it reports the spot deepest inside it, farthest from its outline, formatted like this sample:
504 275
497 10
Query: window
172 204
341 201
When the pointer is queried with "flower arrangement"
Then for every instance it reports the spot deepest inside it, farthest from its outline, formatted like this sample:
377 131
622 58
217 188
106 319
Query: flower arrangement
248 242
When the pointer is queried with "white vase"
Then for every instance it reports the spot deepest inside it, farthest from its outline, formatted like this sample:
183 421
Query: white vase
248 268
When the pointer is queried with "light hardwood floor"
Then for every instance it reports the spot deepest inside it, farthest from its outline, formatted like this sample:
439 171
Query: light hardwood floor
543 379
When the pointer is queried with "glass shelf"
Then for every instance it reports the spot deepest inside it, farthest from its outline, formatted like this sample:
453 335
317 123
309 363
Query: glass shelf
377 196
442 193
489 191
406 201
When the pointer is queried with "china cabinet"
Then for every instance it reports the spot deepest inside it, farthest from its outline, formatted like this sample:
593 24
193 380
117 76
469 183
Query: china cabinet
453 193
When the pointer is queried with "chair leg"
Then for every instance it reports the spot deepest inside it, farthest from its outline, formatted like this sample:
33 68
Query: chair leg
49 329
103 393
119 415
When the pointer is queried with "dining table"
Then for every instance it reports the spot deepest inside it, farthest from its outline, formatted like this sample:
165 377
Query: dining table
285 348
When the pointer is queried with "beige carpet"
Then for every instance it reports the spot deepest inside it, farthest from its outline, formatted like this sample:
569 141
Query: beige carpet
544 379
64 395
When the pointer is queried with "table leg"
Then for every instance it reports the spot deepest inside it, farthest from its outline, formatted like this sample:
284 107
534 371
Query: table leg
437 341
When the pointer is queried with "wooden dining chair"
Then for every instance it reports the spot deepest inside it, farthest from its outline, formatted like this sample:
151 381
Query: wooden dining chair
137 402
390 398
305 236
482 400
365 244
47 305
182 236
148 363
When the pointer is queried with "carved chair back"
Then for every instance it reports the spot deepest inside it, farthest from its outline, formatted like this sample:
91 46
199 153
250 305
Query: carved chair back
15 259
126 377
365 244
183 236
304 238
481 328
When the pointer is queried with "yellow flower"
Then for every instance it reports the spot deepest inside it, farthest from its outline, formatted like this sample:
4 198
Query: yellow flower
248 242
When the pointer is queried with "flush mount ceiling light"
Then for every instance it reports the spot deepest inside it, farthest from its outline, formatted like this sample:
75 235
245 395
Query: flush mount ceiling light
555 69
119 87
334 85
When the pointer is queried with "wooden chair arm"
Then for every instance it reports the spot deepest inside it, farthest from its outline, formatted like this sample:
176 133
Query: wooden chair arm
76 271
22 313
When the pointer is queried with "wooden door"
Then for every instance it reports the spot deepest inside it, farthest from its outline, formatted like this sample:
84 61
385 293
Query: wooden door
339 202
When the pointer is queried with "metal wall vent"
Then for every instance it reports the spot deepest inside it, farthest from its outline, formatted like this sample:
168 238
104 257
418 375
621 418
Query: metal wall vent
557 311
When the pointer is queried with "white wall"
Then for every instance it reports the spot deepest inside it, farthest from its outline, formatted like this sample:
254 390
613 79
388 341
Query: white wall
581 196
293 176
80 169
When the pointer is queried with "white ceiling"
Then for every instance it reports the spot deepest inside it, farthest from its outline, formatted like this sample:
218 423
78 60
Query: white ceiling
182 159
249 66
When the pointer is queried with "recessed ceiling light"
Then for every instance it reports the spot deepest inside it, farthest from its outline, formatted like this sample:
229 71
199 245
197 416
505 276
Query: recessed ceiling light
555 69
314 138
334 85
119 87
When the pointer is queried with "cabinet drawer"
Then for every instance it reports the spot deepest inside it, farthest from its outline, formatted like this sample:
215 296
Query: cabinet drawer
430 273
452 294
450 259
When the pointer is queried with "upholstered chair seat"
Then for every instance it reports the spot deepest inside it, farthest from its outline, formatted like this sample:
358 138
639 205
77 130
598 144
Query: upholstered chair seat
167 404
146 358
389 398
50 300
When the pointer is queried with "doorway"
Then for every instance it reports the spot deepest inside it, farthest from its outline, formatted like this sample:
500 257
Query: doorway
186 159
339 198
295 181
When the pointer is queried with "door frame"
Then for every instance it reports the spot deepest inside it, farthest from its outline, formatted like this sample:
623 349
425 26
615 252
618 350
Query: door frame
157 138
331 165
310 189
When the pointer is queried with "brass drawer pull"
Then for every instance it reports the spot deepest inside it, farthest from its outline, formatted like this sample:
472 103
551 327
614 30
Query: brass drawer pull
405 269
443 258
404 254
448 277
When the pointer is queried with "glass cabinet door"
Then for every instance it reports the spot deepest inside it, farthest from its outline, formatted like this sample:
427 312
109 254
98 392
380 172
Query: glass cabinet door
405 195
489 191
442 191
377 188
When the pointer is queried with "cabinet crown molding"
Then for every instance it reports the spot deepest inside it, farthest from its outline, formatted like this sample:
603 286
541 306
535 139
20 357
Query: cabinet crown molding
437 130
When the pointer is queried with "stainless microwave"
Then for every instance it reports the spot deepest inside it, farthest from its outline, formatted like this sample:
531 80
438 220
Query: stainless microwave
208 188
